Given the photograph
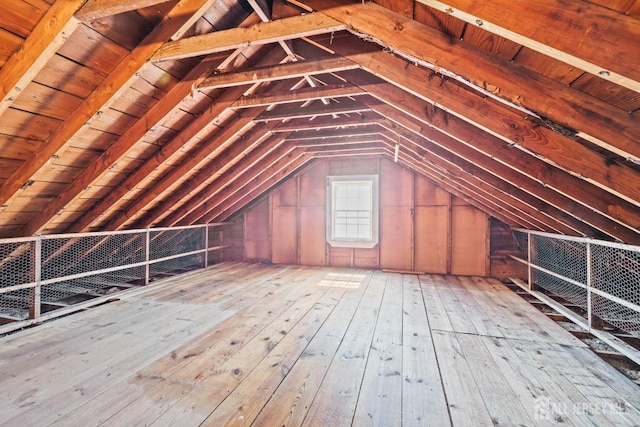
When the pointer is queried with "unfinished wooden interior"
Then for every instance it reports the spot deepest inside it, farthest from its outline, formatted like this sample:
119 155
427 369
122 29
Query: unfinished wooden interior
477 120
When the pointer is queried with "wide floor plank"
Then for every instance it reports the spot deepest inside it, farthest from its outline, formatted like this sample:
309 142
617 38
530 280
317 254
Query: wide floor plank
250 344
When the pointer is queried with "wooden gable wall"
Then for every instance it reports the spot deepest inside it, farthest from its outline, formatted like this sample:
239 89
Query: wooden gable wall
422 227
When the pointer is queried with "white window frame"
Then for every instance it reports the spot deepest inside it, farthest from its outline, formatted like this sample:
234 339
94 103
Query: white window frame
333 182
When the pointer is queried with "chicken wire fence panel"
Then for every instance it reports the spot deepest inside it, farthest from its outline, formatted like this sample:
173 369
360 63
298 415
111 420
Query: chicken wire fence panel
14 305
75 255
70 292
564 257
616 271
165 243
574 294
176 265
17 260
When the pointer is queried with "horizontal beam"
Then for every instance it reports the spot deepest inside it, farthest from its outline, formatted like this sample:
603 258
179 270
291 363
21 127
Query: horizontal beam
260 33
289 70
564 23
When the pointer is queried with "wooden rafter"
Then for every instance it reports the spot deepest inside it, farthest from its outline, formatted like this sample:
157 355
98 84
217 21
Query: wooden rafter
589 202
563 24
514 127
55 27
238 126
597 121
261 33
278 72
114 84
122 145
95 9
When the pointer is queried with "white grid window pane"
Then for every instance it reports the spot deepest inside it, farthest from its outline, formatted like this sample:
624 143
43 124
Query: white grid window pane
352 215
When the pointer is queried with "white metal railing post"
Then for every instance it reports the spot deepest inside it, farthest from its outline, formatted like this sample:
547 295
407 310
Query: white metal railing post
35 294
590 296
206 245
147 256
530 262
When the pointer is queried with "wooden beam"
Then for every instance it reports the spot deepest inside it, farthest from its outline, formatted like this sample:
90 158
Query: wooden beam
564 24
328 122
121 146
197 127
114 84
298 95
295 112
504 183
267 154
278 72
96 9
473 190
55 27
432 122
232 130
208 174
260 33
519 130
600 123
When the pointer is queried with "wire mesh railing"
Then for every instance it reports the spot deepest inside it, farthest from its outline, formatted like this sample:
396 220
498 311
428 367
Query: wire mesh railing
602 278
46 276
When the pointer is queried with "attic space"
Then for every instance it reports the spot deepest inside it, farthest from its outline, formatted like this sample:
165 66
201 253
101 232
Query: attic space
401 212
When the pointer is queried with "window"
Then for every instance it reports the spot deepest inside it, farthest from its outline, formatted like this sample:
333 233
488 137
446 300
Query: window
352 211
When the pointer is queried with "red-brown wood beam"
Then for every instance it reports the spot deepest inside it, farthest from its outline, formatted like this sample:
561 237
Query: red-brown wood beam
595 120
95 9
564 23
120 147
512 126
267 154
99 98
498 180
278 72
471 145
55 27
234 129
199 126
208 174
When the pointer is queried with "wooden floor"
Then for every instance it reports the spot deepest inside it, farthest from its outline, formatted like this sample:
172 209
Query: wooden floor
270 345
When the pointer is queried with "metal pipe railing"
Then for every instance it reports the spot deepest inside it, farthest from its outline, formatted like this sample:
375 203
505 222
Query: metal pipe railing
44 271
602 278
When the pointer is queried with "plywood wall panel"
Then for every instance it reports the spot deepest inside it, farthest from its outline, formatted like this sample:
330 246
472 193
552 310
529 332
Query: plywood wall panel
313 185
395 238
366 258
396 185
429 194
284 241
469 241
431 238
256 232
420 229
312 235
340 257
286 194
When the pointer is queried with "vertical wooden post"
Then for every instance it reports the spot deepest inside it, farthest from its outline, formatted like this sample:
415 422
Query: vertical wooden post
35 293
147 249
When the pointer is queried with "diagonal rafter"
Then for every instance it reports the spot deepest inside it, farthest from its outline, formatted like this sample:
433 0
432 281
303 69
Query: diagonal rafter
55 27
114 84
618 32
598 122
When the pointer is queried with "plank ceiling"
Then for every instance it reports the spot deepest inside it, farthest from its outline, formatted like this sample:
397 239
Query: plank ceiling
124 114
